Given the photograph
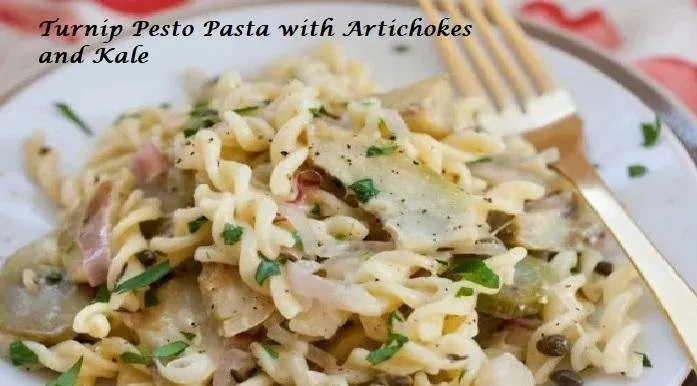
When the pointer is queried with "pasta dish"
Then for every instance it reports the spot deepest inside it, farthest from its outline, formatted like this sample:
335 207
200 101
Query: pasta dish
301 227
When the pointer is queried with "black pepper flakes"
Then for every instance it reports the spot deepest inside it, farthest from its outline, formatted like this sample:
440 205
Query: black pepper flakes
43 150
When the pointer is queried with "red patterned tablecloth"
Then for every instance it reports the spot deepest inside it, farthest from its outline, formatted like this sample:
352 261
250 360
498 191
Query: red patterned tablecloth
658 36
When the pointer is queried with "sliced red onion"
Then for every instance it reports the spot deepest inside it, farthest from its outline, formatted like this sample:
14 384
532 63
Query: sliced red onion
148 162
233 361
332 293
93 236
304 180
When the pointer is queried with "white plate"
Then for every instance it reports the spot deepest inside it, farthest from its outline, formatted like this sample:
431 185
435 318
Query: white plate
662 201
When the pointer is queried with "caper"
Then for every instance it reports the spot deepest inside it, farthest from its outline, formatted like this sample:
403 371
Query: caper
553 345
603 268
566 378
147 257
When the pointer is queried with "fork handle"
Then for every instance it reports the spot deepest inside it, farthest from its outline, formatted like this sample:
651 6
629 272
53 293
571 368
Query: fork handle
677 299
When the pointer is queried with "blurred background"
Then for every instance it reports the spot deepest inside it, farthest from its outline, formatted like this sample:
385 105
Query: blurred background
659 37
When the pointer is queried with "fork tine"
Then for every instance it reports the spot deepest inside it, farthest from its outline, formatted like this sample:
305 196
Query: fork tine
459 69
491 78
521 45
506 61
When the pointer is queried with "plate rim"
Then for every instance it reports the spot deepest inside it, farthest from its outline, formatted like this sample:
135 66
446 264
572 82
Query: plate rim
679 119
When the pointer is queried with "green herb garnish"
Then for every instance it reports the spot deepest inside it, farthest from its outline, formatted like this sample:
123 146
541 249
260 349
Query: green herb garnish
246 110
298 240
201 117
645 361
135 358
170 350
636 170
53 277
195 225
651 131
475 271
68 378
232 234
315 211
340 237
67 112
391 317
482 160
321 110
374 151
20 354
268 347
103 294
387 351
462 374
364 189
149 276
266 269
464 291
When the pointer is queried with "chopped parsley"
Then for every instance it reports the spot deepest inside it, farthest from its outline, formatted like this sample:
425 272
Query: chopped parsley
386 352
135 358
651 131
374 151
636 170
391 317
170 350
67 112
442 262
188 335
68 378
462 374
20 354
53 277
298 240
645 361
246 110
149 276
195 225
321 110
364 189
340 237
268 346
103 295
475 271
232 234
482 160
266 269
315 211
463 292
201 117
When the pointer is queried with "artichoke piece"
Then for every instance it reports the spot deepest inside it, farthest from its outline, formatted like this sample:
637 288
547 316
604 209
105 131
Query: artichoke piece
522 298
426 106
421 210
45 314
230 302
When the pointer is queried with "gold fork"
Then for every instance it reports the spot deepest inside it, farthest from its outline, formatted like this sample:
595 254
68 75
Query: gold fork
510 82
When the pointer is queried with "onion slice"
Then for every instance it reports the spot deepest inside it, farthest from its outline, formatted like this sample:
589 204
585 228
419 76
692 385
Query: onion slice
93 236
304 180
148 162
332 293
